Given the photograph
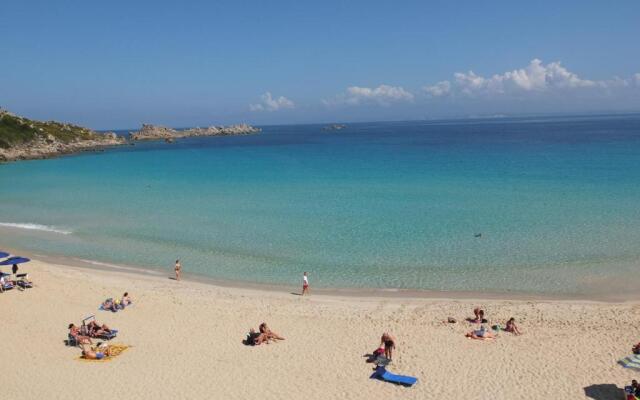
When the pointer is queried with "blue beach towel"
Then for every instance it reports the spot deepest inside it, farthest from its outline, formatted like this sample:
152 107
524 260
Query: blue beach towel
384 375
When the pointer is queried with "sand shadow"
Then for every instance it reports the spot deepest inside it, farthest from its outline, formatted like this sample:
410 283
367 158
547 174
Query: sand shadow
604 391
173 278
295 294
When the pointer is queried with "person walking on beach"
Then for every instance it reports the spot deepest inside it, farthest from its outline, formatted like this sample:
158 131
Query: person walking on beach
305 284
178 268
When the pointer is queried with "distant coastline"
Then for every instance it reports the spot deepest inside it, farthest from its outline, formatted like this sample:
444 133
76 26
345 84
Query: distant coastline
25 139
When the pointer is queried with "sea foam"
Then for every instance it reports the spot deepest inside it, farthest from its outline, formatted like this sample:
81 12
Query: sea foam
36 227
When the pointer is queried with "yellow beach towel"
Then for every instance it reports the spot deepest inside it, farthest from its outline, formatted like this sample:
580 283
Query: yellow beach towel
114 350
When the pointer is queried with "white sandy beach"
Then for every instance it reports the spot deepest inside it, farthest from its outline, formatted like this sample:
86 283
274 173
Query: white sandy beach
187 343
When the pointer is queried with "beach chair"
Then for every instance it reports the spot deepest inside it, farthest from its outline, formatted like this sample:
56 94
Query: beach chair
382 374
22 280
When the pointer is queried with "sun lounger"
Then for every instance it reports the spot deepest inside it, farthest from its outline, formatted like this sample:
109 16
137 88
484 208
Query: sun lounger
382 374
23 281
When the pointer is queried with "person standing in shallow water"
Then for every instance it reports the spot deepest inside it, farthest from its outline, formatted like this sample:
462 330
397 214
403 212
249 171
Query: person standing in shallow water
178 269
305 284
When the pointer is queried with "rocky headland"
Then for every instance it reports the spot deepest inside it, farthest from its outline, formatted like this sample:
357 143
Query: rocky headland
22 138
155 132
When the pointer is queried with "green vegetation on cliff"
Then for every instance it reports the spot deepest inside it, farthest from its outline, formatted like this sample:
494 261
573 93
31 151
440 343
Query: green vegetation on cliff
15 131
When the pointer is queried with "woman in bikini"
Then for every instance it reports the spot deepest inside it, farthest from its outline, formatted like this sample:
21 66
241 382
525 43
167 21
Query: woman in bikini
512 327
178 269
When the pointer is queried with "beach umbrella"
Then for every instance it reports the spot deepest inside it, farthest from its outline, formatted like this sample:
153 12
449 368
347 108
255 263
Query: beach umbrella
14 261
631 362
3 254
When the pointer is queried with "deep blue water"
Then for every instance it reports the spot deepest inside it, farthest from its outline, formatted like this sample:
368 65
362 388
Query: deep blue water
556 201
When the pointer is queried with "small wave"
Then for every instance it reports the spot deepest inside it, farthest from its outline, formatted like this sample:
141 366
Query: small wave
36 227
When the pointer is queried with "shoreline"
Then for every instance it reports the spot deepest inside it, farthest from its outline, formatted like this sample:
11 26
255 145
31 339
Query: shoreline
345 294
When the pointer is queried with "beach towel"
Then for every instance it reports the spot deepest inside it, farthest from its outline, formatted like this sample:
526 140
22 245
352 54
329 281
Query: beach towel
631 362
114 351
382 374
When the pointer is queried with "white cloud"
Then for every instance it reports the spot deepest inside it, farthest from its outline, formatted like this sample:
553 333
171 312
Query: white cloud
439 89
383 95
536 77
269 103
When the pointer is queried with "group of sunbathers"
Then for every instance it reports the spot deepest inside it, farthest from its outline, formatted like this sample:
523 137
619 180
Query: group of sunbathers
114 305
264 335
483 333
21 280
83 334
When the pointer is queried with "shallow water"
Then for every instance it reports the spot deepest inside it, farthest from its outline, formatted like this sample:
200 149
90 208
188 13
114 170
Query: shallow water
544 205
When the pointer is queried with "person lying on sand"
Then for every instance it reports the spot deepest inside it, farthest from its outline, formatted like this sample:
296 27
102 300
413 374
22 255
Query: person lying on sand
636 349
95 354
389 343
96 329
512 327
481 334
74 332
271 335
109 305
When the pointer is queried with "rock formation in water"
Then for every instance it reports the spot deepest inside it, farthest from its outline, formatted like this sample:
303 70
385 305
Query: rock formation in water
155 132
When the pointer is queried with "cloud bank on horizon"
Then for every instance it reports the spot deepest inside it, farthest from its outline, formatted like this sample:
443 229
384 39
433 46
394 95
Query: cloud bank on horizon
537 87
536 77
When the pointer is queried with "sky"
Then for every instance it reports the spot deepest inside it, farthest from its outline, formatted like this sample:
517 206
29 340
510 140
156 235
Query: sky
118 64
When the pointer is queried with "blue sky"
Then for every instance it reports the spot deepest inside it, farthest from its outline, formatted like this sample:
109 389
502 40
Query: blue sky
117 64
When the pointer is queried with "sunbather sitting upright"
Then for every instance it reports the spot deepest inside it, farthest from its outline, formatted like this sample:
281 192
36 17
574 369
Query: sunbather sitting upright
126 300
74 331
512 327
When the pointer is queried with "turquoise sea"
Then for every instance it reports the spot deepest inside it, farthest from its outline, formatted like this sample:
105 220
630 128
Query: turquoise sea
536 205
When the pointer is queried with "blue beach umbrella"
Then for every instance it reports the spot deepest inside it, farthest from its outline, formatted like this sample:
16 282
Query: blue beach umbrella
3 254
14 260
632 362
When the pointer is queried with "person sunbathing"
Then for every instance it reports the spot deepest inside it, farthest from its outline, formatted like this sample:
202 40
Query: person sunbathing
74 332
512 327
479 316
109 305
126 300
481 334
389 343
95 354
271 335
96 329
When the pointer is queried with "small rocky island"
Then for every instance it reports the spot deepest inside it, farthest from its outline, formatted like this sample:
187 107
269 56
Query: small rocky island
154 132
334 127
22 138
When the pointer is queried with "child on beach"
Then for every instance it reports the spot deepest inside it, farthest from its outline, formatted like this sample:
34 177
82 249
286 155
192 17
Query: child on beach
305 284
